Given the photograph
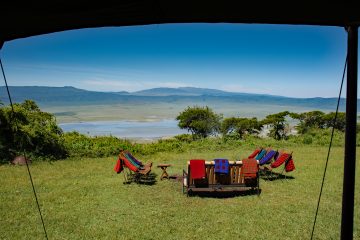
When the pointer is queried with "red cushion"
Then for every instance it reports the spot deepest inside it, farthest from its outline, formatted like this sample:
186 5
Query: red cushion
249 168
118 166
280 160
197 168
290 166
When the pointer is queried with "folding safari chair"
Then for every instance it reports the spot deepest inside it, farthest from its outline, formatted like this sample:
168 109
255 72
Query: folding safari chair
266 161
283 158
136 170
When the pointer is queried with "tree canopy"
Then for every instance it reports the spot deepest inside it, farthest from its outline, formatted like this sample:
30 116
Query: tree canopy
31 130
200 121
240 126
277 123
318 119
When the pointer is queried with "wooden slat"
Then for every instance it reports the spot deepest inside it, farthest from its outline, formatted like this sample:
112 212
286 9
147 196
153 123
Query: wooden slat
207 169
212 177
237 172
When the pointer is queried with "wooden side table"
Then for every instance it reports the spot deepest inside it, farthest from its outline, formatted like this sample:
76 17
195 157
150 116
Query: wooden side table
164 174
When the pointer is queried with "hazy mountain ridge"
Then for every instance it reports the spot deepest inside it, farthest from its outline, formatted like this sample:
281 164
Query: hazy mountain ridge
182 91
74 96
191 91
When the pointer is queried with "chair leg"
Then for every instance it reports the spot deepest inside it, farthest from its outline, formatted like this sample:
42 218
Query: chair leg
127 177
125 180
268 174
282 173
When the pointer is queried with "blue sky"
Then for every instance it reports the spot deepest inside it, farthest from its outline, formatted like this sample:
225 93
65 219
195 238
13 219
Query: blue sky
287 60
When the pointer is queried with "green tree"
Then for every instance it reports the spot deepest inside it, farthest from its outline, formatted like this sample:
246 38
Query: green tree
309 120
340 123
30 130
200 121
240 126
319 120
277 124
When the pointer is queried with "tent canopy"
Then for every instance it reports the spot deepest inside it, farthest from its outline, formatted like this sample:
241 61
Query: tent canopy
23 19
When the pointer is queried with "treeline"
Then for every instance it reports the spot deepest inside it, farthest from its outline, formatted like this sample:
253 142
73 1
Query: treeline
36 133
203 122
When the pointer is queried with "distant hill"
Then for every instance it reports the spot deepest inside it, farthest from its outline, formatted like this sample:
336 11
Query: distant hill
188 91
53 94
63 96
122 92
181 91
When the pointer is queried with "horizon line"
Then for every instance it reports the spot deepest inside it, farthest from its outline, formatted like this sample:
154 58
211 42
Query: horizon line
131 92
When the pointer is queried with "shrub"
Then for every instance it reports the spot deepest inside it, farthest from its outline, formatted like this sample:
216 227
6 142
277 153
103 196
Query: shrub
184 138
29 130
307 140
319 137
81 145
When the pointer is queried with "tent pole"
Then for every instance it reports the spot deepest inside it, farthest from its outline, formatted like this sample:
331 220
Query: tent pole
347 217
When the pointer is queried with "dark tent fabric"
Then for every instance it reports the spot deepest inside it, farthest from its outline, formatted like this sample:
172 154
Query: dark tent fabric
20 19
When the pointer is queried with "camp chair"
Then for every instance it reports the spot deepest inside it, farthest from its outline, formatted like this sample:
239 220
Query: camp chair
266 161
268 157
136 170
142 165
282 158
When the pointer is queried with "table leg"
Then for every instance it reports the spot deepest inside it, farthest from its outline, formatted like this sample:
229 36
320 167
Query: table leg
164 173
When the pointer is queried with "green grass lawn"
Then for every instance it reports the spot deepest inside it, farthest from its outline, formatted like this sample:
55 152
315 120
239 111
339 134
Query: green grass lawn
85 199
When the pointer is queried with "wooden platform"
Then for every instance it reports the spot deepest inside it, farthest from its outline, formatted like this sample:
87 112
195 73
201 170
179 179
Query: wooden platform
232 182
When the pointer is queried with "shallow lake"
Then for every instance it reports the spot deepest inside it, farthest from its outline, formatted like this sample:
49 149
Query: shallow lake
126 129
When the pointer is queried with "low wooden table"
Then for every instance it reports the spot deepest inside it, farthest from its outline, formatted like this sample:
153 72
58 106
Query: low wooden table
164 174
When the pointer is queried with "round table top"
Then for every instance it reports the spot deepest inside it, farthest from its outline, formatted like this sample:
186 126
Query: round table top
163 165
